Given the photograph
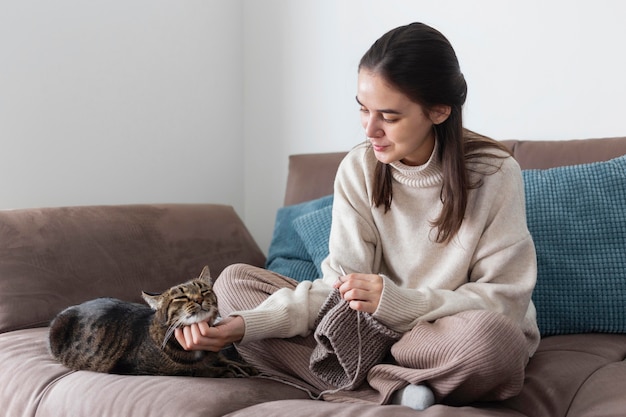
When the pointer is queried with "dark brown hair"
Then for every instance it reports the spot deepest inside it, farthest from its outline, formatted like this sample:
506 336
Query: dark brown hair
420 62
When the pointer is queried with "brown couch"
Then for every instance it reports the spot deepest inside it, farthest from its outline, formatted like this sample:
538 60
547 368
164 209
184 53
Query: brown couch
54 257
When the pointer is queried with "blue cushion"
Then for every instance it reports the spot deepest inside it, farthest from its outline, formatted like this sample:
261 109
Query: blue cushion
314 231
577 217
287 253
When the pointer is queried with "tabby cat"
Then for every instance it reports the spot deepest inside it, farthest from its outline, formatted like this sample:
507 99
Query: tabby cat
118 337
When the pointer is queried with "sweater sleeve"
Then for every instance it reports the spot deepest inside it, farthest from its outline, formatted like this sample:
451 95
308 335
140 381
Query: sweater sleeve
286 313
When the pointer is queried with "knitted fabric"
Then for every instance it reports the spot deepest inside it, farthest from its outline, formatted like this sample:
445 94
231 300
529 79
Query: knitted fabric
340 358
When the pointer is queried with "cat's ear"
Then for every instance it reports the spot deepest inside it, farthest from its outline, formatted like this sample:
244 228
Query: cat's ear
205 275
153 300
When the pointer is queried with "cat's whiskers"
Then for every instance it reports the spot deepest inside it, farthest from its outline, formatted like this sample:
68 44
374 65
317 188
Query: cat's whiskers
170 330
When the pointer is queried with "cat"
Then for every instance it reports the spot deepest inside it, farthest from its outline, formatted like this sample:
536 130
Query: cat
114 336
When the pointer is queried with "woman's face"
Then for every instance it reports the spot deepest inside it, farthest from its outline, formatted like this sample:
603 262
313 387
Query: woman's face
398 128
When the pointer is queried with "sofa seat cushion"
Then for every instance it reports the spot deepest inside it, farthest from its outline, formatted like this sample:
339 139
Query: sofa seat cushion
570 375
602 394
565 367
53 390
309 408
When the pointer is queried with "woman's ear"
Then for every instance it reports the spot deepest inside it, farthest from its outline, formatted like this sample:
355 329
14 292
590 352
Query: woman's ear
439 114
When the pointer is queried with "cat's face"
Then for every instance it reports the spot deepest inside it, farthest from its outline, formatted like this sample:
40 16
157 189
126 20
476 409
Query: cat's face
185 304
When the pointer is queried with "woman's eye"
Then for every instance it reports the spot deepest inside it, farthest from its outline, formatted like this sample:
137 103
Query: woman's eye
386 120
363 110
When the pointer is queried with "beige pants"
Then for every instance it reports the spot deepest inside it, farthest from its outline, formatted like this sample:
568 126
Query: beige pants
471 356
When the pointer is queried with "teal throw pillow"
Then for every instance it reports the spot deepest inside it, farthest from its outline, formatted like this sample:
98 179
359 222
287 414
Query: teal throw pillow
314 231
288 254
577 217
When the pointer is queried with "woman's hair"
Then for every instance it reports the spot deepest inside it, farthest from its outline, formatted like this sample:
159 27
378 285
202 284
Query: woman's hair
421 63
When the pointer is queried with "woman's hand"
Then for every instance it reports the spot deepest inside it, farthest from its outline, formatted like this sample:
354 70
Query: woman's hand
200 336
361 291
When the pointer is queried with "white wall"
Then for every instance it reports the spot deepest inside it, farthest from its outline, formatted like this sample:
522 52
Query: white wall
536 70
131 101
120 101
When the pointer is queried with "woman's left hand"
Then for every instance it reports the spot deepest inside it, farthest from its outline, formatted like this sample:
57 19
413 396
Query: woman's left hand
201 336
361 291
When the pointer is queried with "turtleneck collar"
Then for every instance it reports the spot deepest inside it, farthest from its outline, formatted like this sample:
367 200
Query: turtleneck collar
421 176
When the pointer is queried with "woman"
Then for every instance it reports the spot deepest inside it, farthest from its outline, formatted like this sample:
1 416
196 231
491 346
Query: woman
429 224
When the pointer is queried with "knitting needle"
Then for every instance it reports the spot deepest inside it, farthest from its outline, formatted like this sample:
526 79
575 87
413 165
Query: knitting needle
343 274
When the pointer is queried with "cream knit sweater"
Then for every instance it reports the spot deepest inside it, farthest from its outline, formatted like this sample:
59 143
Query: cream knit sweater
489 265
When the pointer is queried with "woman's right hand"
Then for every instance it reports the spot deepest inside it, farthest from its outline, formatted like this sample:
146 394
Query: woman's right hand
201 336
362 291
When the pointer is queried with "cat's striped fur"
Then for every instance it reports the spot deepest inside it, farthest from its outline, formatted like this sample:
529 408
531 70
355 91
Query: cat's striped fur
114 336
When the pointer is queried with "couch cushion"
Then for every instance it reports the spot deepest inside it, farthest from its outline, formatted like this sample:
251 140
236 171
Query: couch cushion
288 254
602 393
311 176
308 408
41 386
563 368
57 257
577 217
314 229
543 154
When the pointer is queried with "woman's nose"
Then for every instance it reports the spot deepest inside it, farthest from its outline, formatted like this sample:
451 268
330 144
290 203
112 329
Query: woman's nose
373 128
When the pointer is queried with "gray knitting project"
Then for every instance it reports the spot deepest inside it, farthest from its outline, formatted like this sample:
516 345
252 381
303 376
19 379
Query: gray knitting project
340 333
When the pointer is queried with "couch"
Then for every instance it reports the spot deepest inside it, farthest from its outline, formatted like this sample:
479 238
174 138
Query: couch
51 258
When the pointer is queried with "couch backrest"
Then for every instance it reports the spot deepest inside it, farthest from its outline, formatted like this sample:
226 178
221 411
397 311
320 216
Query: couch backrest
550 154
52 258
311 175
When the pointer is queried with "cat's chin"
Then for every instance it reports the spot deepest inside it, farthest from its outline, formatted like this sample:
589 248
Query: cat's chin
201 316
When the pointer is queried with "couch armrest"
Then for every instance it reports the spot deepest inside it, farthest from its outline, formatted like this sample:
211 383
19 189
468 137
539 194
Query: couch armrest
52 258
